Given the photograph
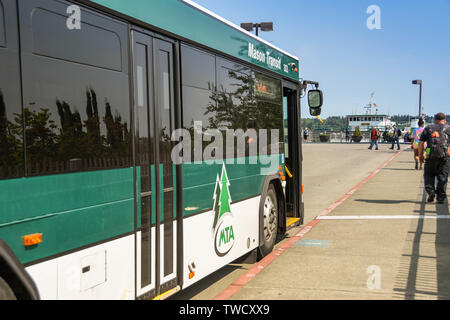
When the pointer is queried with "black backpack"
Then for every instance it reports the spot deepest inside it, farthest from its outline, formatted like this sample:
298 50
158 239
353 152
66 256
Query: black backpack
438 141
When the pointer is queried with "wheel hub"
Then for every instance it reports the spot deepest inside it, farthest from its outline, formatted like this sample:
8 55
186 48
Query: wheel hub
270 218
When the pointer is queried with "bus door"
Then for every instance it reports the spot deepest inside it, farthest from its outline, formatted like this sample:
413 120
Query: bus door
156 198
293 157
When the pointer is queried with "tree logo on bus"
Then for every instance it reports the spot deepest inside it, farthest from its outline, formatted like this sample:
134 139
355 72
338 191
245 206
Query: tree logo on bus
224 237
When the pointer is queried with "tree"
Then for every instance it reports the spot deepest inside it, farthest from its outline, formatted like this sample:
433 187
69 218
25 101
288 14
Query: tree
93 139
222 198
10 155
39 134
70 133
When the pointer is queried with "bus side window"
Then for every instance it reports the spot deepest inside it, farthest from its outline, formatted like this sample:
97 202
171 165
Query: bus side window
198 71
76 83
198 81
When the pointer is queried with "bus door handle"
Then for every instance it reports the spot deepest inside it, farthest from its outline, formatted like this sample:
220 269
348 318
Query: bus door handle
288 172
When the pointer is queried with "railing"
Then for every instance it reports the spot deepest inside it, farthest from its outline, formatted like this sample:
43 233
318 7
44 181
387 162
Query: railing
337 137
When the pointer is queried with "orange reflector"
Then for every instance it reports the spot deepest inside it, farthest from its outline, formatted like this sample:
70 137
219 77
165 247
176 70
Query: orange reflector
303 190
191 275
32 239
279 167
283 178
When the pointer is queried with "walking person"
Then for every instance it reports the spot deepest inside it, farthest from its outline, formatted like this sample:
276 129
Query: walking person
417 133
396 138
347 135
374 135
305 134
437 137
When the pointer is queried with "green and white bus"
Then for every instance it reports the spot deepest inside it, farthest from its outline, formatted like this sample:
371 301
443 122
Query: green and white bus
92 203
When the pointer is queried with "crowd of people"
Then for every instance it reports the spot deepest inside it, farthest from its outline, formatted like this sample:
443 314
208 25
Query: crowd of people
431 147
375 135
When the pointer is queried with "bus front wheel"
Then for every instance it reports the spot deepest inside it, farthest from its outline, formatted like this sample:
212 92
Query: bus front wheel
270 225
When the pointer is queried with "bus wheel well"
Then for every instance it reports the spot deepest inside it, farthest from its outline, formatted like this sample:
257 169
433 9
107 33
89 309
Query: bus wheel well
11 279
15 275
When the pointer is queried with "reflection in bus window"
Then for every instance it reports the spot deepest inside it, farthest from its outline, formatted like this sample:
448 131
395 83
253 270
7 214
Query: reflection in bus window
11 138
198 83
11 144
76 114
240 100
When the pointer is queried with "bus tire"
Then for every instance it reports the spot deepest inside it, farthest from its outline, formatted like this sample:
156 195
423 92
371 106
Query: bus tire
6 293
270 224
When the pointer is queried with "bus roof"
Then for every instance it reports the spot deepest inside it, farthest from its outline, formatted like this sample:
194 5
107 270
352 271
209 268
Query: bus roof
190 21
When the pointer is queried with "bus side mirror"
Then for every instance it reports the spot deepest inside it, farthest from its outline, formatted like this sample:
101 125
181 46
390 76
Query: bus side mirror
315 101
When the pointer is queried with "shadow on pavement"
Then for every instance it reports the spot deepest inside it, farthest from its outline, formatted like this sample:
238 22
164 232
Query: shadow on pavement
443 252
425 276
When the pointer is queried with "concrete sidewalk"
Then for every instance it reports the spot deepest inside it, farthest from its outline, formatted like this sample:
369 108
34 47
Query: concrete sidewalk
344 259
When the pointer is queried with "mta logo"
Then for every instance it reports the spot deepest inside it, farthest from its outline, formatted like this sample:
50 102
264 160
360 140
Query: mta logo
226 235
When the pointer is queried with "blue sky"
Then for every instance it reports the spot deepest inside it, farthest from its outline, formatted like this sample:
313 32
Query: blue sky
336 48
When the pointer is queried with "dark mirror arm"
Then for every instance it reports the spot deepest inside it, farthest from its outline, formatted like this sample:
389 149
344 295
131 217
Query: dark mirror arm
304 85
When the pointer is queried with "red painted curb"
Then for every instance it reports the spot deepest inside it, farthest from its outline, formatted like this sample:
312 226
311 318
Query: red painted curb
238 284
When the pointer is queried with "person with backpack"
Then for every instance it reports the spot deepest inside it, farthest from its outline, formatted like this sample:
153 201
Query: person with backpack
437 164
396 137
374 136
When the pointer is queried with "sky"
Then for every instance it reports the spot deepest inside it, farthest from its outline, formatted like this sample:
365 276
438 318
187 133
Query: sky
336 48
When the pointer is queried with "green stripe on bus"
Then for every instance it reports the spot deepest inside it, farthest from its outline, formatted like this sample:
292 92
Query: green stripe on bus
77 209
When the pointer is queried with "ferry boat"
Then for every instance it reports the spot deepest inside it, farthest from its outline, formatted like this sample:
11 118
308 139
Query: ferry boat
381 122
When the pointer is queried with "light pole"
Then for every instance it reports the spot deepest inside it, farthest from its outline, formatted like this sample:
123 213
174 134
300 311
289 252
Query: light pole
419 82
265 26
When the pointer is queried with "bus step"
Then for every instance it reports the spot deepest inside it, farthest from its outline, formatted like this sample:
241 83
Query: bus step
167 294
291 222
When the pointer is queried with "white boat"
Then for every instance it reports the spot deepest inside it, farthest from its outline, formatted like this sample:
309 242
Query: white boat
381 122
